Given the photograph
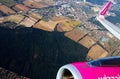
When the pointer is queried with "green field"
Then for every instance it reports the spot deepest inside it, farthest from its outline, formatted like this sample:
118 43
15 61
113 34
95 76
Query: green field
8 3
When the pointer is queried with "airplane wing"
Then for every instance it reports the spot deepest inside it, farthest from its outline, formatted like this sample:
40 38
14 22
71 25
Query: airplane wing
115 30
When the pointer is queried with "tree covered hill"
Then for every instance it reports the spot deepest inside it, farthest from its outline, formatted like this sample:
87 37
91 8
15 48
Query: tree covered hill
35 53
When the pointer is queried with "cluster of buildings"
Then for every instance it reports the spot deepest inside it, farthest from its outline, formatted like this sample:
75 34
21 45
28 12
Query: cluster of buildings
65 10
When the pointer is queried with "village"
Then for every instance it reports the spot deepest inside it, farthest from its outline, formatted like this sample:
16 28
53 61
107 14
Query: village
100 42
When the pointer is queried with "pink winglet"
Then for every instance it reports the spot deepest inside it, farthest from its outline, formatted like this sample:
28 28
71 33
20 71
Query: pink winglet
105 9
